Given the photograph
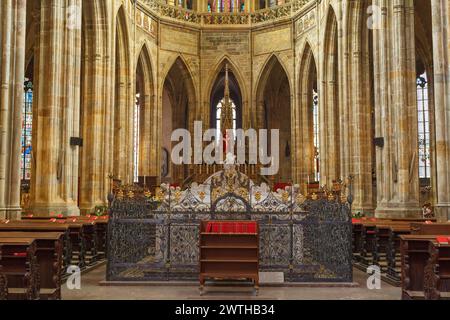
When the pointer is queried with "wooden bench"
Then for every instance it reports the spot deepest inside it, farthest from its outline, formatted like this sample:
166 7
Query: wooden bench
19 267
393 256
430 229
421 268
3 285
437 272
18 226
356 240
373 242
76 237
49 249
96 236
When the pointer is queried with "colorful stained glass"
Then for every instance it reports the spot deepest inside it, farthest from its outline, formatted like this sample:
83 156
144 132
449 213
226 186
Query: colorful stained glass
423 127
27 127
316 130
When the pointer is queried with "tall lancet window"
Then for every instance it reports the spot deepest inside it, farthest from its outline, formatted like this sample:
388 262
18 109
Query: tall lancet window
136 137
27 126
219 109
423 127
316 131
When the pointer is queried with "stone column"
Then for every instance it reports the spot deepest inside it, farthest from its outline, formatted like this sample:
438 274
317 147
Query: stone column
329 105
399 185
344 94
12 61
54 185
441 46
147 123
97 107
359 89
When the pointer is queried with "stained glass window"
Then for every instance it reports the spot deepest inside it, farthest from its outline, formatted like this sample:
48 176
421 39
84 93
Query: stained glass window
423 127
316 130
27 126
219 116
136 137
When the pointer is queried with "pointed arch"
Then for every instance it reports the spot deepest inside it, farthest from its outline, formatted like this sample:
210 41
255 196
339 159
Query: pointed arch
272 65
145 157
329 106
239 80
305 155
124 101
216 87
426 121
273 110
218 67
269 64
181 66
179 101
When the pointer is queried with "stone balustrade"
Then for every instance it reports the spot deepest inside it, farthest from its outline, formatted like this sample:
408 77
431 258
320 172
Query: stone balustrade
229 18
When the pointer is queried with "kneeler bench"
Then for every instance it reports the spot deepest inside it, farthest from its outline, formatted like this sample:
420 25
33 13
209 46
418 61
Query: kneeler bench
49 254
425 267
19 268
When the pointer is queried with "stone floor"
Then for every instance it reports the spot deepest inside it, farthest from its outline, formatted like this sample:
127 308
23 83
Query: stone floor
92 290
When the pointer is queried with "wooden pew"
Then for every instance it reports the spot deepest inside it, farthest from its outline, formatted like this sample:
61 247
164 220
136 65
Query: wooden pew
101 224
357 243
418 255
95 237
3 285
374 241
385 235
44 227
430 229
393 256
437 272
365 238
76 237
415 254
49 248
19 266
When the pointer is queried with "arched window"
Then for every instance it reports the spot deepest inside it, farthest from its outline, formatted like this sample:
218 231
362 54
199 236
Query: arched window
219 117
136 137
316 130
423 127
27 126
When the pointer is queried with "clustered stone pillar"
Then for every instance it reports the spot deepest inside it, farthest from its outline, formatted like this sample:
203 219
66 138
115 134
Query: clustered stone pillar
360 109
441 50
12 60
97 104
329 105
54 184
395 65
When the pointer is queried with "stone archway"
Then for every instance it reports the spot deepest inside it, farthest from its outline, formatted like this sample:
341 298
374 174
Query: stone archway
178 101
273 98
306 158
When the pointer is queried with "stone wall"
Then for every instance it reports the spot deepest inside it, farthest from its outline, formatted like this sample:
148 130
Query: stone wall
366 90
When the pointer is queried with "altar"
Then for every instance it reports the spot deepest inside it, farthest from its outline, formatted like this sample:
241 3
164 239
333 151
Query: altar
307 237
